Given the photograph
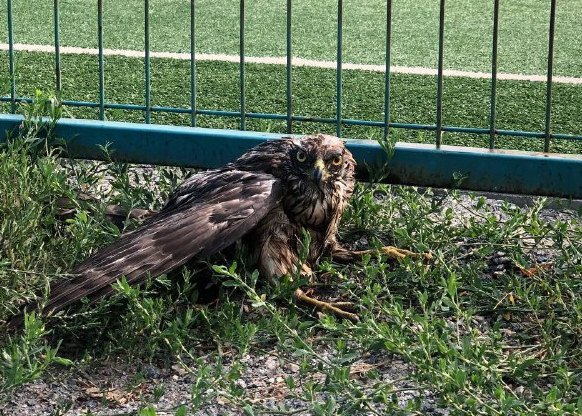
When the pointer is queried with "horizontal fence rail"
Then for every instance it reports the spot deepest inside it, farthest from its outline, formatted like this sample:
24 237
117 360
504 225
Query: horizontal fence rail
428 154
411 164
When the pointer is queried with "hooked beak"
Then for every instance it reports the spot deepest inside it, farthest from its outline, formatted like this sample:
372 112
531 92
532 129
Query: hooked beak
319 171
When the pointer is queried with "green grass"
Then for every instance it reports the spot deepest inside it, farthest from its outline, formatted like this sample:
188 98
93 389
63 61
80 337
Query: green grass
523 30
466 101
486 340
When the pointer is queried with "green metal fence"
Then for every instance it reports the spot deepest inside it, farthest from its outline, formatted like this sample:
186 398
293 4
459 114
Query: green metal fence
423 165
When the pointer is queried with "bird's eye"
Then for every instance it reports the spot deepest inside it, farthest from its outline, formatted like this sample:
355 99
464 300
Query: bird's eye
336 161
301 156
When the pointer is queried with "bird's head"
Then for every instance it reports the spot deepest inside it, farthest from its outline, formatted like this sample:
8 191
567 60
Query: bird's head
310 163
317 172
321 160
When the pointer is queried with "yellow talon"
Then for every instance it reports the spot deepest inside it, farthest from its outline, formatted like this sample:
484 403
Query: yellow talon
400 253
337 308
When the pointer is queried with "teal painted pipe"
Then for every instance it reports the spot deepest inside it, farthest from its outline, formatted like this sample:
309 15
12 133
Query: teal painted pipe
413 164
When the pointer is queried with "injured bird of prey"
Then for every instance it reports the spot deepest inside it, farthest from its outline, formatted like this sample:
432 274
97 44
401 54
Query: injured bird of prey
265 198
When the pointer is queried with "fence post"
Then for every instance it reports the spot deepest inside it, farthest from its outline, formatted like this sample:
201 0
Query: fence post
288 72
494 74
192 63
441 52
101 60
549 77
243 125
387 70
338 98
11 58
57 48
148 104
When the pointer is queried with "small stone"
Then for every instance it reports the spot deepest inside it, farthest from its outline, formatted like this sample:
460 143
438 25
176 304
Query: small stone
271 364
241 383
178 369
151 372
292 367
501 260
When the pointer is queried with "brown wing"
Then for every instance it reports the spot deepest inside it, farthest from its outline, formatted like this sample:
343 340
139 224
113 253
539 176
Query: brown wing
208 213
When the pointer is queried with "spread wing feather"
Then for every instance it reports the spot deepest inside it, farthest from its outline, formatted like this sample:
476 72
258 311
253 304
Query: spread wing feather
208 213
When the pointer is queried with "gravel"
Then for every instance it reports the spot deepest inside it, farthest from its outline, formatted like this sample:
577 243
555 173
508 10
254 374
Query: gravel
118 388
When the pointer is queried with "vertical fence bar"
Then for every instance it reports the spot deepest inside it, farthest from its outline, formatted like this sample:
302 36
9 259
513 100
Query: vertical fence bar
289 78
148 109
549 78
494 74
441 52
57 48
193 63
338 103
387 73
101 60
11 59
243 123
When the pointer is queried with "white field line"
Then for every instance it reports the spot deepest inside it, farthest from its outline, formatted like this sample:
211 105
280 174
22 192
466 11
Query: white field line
413 70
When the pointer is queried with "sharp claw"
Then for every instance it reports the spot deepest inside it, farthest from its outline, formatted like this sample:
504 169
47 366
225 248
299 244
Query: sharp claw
333 308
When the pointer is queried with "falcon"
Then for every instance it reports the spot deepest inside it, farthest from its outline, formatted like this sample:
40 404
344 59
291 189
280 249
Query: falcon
265 198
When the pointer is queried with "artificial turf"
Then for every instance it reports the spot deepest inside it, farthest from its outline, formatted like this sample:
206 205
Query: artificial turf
523 30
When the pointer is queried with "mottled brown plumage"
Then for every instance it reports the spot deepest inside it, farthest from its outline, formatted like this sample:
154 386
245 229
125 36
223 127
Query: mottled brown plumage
266 197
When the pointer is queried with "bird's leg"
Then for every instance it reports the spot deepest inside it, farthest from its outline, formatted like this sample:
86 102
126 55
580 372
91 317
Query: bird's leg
343 255
281 261
337 308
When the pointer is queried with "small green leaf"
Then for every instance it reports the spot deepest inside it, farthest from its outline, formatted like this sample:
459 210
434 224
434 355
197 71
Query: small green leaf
63 361
181 411
248 410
